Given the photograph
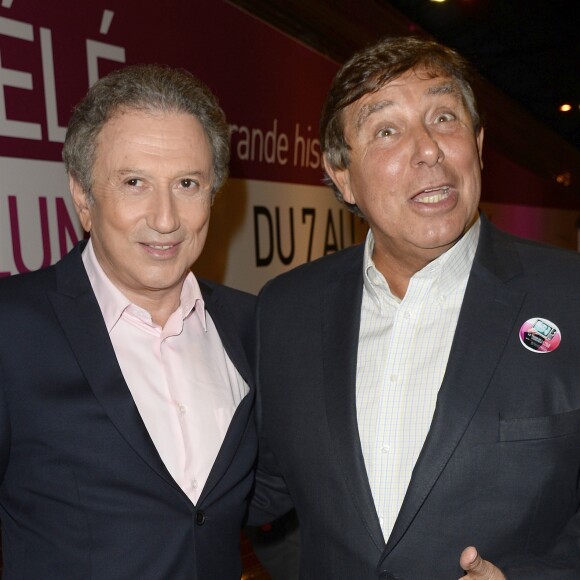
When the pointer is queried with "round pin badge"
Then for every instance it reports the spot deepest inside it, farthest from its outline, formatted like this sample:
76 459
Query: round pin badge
540 335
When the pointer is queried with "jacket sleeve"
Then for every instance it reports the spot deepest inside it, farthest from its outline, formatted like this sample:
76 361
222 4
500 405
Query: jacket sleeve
4 429
270 498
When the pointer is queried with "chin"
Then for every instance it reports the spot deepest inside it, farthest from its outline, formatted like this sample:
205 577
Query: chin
447 236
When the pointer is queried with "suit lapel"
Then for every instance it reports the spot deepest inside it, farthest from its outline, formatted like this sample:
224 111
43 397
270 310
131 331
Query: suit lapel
489 310
223 318
78 312
340 331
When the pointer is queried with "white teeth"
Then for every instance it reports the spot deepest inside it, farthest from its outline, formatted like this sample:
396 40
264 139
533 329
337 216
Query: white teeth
159 247
432 199
437 197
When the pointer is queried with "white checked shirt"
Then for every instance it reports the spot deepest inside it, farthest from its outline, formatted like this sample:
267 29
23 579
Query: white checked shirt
402 354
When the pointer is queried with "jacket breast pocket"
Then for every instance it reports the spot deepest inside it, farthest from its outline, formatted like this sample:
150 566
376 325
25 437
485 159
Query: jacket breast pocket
527 429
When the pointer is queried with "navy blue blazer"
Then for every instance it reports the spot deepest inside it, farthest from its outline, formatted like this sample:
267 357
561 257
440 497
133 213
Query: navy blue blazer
500 468
83 491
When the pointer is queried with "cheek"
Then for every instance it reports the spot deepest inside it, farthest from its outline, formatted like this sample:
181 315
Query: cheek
202 218
465 155
119 226
197 220
387 175
474 183
202 231
197 239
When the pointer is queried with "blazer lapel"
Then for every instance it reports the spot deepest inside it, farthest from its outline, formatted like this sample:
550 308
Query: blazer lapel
78 312
489 309
340 331
223 318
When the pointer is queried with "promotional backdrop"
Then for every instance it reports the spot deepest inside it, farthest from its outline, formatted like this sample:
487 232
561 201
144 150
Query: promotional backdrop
274 213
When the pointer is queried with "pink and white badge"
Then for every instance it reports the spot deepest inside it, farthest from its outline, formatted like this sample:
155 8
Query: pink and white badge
540 335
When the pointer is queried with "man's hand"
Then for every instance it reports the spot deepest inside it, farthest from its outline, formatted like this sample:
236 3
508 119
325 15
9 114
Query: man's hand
477 568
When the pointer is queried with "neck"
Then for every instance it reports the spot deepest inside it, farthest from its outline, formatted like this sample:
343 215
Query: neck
398 271
160 305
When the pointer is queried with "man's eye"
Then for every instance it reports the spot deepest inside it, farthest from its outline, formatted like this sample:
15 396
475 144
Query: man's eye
385 132
188 183
134 182
444 118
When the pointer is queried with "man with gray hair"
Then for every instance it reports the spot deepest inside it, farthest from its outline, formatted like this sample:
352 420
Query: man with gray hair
127 443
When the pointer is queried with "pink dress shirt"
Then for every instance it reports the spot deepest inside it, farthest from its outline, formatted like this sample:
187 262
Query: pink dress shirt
183 383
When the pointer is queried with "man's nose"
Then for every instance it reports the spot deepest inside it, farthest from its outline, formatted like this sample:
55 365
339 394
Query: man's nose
163 214
426 147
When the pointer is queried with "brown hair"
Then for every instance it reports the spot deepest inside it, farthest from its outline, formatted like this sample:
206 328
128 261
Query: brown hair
369 70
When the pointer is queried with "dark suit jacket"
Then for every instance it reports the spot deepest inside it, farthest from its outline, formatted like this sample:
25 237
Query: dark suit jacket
83 491
501 463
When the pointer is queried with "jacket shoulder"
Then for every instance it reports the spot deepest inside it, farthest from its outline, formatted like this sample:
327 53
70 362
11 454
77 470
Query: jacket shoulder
25 286
534 265
313 276
544 257
235 297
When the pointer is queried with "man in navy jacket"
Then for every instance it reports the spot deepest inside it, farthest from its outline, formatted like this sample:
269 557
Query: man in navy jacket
127 443
404 413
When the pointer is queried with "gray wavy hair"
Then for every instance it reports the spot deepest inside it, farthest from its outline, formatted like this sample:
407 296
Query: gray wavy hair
146 88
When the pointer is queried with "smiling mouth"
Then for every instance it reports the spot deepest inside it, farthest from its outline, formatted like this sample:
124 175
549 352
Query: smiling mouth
160 247
434 195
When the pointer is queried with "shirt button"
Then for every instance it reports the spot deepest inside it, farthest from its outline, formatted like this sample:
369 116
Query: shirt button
406 315
200 518
194 484
182 409
385 448
394 378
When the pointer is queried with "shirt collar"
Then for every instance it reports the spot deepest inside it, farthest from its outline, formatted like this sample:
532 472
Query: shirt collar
448 271
113 303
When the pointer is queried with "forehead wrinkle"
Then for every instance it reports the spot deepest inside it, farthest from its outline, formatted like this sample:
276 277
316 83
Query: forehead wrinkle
137 170
367 110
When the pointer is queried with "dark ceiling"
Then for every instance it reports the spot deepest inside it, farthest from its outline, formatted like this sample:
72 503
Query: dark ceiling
530 49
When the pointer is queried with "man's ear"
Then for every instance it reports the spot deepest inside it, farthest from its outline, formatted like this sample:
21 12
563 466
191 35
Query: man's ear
81 203
479 140
341 178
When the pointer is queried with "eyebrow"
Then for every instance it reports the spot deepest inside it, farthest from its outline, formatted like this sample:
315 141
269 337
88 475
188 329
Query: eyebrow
449 88
137 171
367 110
446 88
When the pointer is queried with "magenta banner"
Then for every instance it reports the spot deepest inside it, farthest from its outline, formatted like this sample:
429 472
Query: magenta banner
274 213
270 86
